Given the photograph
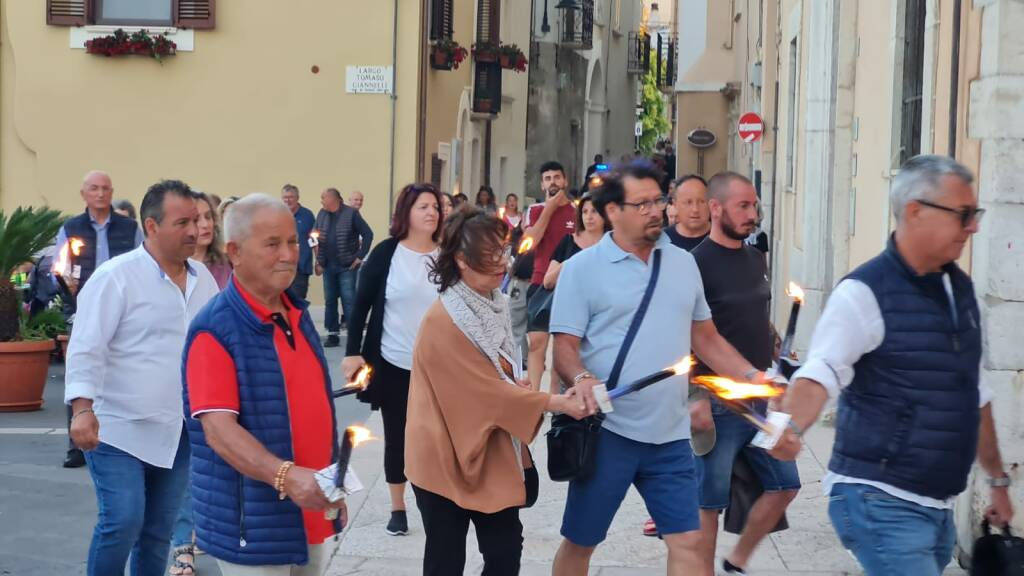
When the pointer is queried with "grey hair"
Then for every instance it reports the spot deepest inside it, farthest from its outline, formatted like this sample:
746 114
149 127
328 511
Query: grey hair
238 220
919 179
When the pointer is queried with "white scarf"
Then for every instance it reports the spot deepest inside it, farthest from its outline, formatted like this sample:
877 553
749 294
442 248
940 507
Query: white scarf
488 325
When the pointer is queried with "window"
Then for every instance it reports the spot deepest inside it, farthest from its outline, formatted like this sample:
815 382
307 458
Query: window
488 21
913 80
197 14
134 12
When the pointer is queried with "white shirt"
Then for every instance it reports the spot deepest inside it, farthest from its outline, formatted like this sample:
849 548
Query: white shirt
851 326
408 294
125 352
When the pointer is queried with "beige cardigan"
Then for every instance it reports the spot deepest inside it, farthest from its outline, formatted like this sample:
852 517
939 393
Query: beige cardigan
461 413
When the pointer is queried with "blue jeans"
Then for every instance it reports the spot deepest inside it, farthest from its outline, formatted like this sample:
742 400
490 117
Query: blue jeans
733 434
137 504
891 536
339 282
183 526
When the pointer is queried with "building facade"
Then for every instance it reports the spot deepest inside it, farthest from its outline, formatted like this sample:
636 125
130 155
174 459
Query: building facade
848 91
583 94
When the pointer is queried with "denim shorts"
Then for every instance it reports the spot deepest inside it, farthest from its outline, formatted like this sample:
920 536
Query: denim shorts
714 469
663 474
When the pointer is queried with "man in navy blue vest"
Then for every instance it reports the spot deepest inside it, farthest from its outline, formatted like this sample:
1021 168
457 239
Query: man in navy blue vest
345 240
304 224
105 234
259 410
899 344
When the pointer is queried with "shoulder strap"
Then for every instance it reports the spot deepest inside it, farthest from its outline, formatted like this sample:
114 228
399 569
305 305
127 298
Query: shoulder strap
634 326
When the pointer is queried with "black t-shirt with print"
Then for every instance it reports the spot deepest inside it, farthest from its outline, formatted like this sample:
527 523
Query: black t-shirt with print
737 290
684 242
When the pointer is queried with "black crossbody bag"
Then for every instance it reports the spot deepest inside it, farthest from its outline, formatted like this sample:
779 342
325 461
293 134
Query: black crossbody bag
572 443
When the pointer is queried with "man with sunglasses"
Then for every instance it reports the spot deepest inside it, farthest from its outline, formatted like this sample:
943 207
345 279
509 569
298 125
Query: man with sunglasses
899 344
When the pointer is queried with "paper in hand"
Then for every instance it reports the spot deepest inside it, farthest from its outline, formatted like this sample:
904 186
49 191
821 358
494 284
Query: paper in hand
604 402
778 421
325 479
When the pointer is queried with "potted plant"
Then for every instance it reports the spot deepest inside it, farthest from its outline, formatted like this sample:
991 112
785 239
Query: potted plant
510 57
25 346
485 52
447 54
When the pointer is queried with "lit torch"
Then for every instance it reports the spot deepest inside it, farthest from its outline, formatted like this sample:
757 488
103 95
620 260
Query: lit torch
76 248
61 266
797 294
358 385
352 437
501 213
732 394
604 397
526 245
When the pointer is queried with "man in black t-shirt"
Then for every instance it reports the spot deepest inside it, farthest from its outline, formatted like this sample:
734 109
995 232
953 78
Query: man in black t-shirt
736 286
689 197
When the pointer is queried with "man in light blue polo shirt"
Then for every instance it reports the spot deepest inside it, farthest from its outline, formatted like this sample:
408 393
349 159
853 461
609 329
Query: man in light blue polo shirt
645 441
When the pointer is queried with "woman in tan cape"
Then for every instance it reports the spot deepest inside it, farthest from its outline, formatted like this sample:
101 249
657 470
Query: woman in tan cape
471 415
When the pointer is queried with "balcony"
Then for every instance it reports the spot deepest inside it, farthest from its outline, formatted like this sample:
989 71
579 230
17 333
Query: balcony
639 61
576 26
667 47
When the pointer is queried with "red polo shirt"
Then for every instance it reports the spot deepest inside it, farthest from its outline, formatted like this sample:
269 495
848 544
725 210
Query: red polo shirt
213 387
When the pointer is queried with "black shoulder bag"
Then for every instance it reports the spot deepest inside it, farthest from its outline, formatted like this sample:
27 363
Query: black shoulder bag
997 554
572 443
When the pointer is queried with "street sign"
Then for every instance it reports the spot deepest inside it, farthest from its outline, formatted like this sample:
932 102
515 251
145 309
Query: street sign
751 127
639 129
701 138
368 79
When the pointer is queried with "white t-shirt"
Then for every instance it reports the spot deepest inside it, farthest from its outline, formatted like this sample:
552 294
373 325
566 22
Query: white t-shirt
408 294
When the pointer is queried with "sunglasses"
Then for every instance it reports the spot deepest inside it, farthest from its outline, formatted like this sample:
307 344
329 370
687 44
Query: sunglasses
967 215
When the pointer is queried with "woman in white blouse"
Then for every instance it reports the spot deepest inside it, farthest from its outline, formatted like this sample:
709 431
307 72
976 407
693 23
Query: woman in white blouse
394 293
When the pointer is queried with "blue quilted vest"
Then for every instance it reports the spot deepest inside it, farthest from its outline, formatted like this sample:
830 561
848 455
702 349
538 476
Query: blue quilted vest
910 417
238 519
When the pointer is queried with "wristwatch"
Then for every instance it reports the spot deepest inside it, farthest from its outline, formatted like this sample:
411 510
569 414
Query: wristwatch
1001 482
749 374
581 377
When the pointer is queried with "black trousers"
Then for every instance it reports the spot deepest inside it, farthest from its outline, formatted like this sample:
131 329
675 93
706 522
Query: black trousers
300 286
499 537
393 406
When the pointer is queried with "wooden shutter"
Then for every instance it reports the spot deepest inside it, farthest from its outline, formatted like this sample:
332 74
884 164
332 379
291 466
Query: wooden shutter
436 165
196 14
488 23
67 12
441 19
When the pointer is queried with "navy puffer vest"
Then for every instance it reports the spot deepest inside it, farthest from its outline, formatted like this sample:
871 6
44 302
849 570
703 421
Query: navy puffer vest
910 417
120 239
238 519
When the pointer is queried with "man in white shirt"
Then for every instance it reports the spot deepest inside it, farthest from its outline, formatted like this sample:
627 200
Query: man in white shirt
899 344
123 383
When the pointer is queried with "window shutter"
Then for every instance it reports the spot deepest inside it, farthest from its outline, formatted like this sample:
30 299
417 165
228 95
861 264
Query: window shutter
196 14
67 12
436 165
441 22
488 23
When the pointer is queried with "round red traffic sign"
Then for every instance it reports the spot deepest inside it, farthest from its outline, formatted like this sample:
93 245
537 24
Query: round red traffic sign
751 127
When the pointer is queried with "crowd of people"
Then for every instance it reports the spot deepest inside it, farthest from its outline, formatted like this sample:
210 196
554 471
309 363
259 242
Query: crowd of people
198 388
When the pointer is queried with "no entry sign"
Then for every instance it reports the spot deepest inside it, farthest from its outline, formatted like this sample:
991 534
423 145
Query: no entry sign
751 127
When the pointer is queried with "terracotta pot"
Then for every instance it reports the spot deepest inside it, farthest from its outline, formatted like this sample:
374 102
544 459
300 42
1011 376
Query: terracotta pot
486 57
505 61
441 61
62 341
24 366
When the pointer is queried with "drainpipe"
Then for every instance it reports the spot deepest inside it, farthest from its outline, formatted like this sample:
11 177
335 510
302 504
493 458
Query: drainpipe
775 181
394 108
421 119
954 79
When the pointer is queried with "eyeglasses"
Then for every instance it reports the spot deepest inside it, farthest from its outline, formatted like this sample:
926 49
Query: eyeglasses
967 215
645 206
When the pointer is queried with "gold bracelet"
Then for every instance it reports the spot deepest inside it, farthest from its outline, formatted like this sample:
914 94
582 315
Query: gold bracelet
282 472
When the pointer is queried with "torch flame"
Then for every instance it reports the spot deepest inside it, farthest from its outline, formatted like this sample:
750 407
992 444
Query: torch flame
362 378
727 389
684 366
62 261
795 292
359 435
526 245
76 246
501 213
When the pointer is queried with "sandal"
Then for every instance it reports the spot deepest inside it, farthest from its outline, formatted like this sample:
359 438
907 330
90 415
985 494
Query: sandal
184 561
650 528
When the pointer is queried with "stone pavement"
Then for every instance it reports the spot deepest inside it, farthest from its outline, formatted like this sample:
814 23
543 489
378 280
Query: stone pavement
808 547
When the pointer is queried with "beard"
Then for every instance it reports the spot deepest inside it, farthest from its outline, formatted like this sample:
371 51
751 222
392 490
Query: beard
730 229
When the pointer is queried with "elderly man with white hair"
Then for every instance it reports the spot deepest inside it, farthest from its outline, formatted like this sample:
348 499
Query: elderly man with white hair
258 403
899 345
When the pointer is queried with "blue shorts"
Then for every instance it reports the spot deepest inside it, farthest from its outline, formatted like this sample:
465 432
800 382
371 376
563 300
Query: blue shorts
714 469
663 474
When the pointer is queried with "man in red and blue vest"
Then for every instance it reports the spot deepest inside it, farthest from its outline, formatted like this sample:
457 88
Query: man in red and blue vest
258 406
899 344
105 234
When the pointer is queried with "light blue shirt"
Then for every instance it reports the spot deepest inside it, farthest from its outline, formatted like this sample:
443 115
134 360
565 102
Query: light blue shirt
102 245
598 292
